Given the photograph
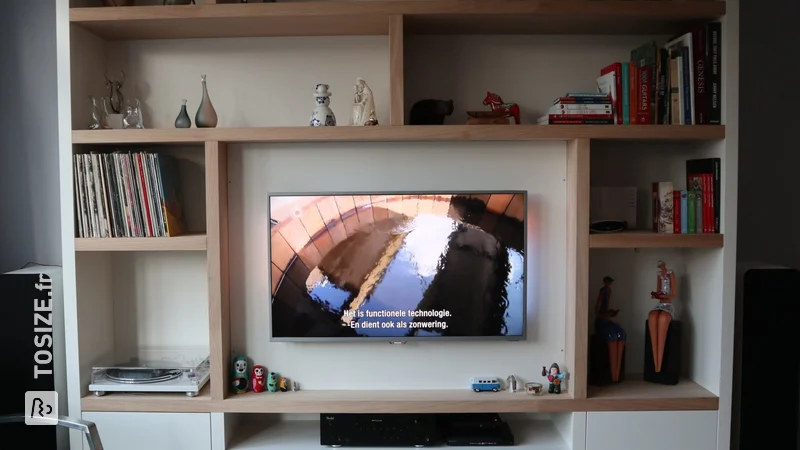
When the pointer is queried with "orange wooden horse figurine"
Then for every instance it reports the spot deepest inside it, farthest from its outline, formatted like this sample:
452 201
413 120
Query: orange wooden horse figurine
498 106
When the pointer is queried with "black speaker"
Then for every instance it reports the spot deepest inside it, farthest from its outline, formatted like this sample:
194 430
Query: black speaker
671 363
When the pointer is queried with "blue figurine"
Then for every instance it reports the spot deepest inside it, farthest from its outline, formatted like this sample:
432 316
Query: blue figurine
609 329
241 377
555 377
272 382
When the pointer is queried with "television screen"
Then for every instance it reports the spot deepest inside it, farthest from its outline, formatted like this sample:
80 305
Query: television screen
398 266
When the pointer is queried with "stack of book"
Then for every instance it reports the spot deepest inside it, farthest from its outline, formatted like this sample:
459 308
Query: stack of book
125 194
580 108
679 83
694 210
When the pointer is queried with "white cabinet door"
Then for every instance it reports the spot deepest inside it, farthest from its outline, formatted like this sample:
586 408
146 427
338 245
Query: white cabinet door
152 431
652 430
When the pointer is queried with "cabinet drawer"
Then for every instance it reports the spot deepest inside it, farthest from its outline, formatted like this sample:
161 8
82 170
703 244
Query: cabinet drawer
152 431
652 430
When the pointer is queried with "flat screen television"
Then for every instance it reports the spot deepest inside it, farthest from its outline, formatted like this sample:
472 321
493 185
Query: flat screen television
397 266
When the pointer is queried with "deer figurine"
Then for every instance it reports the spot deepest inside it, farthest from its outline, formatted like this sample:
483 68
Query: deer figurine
115 92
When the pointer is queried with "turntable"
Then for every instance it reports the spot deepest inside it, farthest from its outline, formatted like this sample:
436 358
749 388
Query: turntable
160 376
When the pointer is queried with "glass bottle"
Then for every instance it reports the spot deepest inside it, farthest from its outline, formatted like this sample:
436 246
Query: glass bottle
206 116
183 120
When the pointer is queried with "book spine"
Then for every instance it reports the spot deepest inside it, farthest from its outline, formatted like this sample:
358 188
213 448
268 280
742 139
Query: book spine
708 179
580 116
714 58
662 87
699 216
632 92
700 92
596 109
582 101
626 94
676 212
674 90
609 121
686 86
691 206
684 213
656 206
717 185
645 97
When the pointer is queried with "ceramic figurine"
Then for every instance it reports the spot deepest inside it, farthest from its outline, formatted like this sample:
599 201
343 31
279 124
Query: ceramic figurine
511 383
323 115
116 100
497 105
240 375
606 326
555 377
430 112
183 120
283 384
661 316
295 386
259 381
272 382
363 105
206 116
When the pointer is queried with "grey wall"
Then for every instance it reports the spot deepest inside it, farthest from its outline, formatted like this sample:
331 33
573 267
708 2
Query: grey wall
29 186
769 152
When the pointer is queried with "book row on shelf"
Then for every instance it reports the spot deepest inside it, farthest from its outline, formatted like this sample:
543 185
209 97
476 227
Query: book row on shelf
127 194
694 210
679 83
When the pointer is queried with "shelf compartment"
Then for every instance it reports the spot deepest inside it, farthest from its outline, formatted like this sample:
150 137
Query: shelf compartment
634 394
354 18
407 133
149 402
189 242
304 434
648 239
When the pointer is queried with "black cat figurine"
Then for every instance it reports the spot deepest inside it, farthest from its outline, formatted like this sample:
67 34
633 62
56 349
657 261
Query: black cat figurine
430 112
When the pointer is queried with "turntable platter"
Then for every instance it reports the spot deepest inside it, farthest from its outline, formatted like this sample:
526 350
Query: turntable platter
142 375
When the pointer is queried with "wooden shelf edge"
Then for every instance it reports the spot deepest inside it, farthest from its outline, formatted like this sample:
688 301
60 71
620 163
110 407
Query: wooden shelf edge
190 242
116 402
645 239
404 133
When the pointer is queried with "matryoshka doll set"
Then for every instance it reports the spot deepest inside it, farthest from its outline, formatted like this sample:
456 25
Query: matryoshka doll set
258 379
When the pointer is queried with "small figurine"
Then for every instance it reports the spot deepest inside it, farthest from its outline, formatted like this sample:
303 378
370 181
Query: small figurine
430 112
259 379
497 105
363 105
483 384
511 383
323 115
295 386
240 375
283 384
611 331
555 377
272 382
660 317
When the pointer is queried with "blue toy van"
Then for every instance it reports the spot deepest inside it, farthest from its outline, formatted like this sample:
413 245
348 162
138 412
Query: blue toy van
482 384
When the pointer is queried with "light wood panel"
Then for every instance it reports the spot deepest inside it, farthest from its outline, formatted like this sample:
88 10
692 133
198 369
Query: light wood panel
408 133
218 277
149 402
648 239
396 79
577 310
189 242
373 18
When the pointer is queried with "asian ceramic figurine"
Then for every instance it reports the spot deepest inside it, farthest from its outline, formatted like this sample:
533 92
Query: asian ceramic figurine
498 106
555 377
323 115
259 379
363 105
206 116
661 316
283 384
511 383
606 326
240 375
272 382
430 112
183 120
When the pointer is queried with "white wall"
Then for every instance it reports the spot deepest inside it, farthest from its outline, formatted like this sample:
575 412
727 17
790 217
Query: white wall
29 186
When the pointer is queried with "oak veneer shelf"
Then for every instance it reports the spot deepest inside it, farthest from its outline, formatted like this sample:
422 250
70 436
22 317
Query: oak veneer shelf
627 396
407 133
648 239
189 242
339 18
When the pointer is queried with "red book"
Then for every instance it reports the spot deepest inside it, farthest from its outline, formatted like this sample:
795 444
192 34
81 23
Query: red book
632 102
580 116
644 87
708 203
676 212
617 69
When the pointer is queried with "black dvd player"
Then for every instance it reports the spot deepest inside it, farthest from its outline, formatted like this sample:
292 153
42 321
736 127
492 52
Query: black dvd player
378 430
463 430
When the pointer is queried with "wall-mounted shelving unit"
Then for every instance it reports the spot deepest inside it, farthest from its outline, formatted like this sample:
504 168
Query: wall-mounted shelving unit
152 41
